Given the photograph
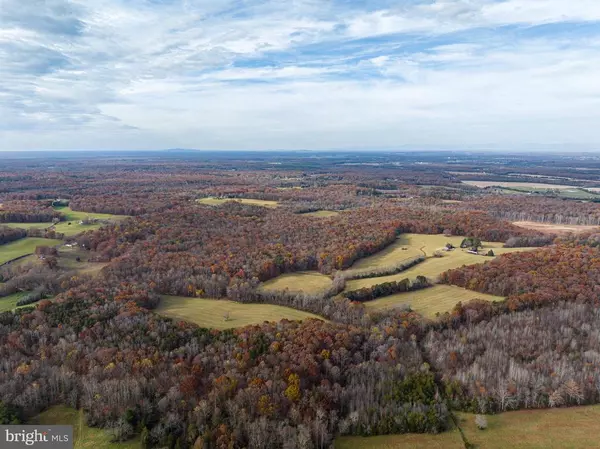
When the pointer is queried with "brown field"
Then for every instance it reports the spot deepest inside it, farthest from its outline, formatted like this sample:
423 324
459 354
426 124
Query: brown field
550 228
429 301
302 281
532 185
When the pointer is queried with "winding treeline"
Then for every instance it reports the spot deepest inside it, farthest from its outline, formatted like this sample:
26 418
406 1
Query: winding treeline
11 234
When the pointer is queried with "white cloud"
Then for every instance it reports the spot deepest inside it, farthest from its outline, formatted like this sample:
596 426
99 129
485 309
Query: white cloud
191 73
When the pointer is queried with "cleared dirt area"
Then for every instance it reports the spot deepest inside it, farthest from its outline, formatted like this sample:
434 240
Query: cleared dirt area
211 313
302 281
550 228
429 301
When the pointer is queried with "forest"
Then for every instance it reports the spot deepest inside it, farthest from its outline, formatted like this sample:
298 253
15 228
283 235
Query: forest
86 330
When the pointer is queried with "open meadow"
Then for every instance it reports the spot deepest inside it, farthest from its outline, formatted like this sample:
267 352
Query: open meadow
560 428
22 247
301 281
254 202
321 213
574 428
411 245
211 313
84 437
10 302
429 301
67 259
561 190
446 440
70 226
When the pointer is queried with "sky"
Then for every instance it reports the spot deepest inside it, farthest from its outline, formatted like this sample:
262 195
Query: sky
300 74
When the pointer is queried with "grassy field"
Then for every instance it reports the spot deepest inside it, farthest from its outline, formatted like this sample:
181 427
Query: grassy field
447 440
564 428
67 259
429 301
322 213
10 302
550 228
562 190
575 428
409 246
302 281
73 217
84 437
22 247
219 201
210 313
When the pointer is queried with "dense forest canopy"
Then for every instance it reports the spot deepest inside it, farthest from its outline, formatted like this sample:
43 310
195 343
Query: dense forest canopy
85 328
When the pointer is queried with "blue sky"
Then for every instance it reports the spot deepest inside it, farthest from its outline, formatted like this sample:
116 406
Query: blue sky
299 74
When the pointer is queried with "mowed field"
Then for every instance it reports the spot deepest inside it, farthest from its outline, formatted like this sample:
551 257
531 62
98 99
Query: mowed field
446 440
210 312
67 259
302 281
550 228
561 428
73 217
321 214
9 302
22 247
84 437
417 244
576 428
219 201
429 301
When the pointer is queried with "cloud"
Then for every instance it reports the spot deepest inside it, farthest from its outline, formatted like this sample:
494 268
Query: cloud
307 74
